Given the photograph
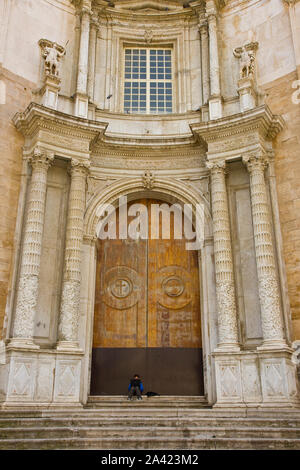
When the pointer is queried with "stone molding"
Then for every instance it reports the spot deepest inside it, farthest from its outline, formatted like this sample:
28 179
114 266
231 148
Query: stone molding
127 186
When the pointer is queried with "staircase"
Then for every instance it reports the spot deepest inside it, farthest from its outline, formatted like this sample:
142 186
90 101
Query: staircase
154 423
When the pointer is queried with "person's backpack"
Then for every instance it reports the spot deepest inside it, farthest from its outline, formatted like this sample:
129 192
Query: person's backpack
152 394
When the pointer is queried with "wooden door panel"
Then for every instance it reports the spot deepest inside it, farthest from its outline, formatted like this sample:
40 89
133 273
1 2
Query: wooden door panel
173 293
120 303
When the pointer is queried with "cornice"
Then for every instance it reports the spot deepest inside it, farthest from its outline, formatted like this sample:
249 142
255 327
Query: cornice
37 117
260 119
162 142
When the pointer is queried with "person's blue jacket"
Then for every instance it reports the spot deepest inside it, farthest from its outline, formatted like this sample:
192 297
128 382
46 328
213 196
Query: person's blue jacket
139 384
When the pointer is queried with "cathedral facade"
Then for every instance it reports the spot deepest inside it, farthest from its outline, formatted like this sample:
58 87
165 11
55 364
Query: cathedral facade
111 111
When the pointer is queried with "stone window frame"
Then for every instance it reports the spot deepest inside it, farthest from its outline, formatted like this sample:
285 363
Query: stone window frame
174 44
148 81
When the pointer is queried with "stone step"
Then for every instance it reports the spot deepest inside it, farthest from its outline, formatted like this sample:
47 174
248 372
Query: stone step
161 401
162 421
137 443
142 411
146 432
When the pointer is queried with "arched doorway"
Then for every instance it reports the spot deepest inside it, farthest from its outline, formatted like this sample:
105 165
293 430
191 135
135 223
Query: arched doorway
147 312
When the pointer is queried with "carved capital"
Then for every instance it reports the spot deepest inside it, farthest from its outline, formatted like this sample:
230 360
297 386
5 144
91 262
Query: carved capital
86 12
255 162
80 167
291 3
216 166
41 158
202 25
94 21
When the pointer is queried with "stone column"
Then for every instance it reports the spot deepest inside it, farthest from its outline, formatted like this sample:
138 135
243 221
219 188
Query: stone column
204 61
69 310
215 104
92 56
27 294
225 286
81 107
271 317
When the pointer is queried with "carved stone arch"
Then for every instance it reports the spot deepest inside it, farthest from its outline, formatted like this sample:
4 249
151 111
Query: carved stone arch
166 189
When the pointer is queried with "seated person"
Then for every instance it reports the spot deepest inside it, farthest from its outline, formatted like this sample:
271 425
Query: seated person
135 387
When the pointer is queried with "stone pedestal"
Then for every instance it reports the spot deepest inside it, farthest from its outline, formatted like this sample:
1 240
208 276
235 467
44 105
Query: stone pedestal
247 94
81 105
256 379
215 108
40 378
50 91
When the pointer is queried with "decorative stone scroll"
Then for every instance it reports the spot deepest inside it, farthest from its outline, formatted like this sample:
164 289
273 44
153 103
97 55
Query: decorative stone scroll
225 287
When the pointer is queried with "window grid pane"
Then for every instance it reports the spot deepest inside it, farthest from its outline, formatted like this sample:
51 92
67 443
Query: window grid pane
148 81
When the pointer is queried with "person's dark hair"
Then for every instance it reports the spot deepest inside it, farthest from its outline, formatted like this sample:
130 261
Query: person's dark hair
136 375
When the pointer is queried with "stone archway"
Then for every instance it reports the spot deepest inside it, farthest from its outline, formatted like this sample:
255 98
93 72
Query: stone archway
147 310
166 190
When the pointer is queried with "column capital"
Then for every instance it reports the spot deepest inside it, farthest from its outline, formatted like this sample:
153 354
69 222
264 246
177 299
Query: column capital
78 166
211 10
41 158
216 166
255 162
85 10
203 26
291 3
94 21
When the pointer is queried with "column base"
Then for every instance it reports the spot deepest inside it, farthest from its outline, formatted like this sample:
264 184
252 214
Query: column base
22 343
274 345
68 346
227 348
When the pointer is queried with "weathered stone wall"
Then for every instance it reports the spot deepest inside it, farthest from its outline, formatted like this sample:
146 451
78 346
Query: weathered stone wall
20 73
17 96
287 165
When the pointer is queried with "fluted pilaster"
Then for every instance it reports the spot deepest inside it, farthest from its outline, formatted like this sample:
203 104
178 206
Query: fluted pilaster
214 67
82 72
69 311
204 61
271 317
225 286
27 294
94 26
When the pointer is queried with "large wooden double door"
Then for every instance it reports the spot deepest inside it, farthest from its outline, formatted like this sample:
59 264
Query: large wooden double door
147 315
